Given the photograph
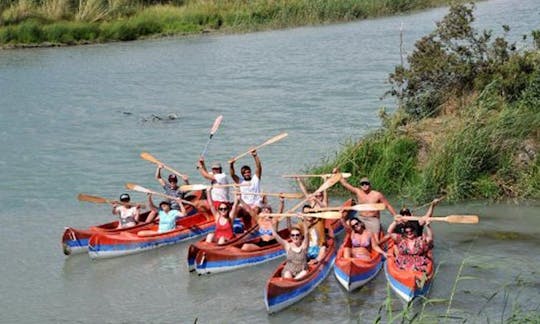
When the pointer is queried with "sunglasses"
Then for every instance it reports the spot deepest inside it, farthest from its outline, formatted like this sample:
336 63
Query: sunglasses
364 183
357 224
295 235
223 208
408 230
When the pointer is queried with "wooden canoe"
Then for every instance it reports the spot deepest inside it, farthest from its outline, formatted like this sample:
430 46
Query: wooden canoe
75 240
405 283
354 273
280 293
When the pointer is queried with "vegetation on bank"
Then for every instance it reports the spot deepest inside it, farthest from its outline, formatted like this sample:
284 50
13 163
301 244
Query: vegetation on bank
70 22
468 121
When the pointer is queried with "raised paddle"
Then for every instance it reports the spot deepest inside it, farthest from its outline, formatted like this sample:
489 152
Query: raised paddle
213 130
453 219
101 200
359 207
334 178
205 187
134 187
149 157
326 215
292 195
343 174
269 141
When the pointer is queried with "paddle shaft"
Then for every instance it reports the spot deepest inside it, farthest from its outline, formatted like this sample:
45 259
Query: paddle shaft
270 141
101 200
149 157
453 219
326 215
138 188
213 130
327 184
293 195
359 207
343 174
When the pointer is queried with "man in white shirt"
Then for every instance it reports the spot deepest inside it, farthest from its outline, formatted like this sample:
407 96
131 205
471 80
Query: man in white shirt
250 183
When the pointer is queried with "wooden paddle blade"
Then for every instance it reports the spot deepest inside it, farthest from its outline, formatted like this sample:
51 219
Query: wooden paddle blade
453 219
93 199
215 125
334 178
325 215
194 187
269 141
149 157
134 187
462 219
343 174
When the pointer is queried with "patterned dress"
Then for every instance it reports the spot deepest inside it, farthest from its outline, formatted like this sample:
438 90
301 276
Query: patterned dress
415 257
296 261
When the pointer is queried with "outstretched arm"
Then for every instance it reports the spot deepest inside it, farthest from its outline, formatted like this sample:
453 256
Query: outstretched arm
276 235
158 175
305 228
383 200
203 171
258 164
375 244
235 178
211 203
235 207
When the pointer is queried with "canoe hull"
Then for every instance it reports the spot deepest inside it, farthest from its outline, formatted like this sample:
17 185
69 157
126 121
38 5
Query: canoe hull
106 245
354 273
281 293
408 284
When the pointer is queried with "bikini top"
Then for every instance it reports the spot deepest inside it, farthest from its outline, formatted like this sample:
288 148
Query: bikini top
263 231
361 243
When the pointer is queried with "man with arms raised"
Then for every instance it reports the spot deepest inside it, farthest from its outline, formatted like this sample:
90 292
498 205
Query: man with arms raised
364 195
219 195
250 183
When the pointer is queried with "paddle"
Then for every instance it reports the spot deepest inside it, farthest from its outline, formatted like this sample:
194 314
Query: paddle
205 187
213 130
134 187
453 219
326 215
343 174
293 195
359 207
100 200
334 178
149 157
270 141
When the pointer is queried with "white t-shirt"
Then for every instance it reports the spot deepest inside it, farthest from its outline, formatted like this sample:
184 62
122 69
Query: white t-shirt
127 215
220 194
254 186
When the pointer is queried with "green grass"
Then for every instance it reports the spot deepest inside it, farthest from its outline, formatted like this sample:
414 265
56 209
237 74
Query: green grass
25 22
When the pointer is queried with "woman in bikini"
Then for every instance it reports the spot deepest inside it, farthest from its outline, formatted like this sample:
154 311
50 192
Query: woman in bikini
361 241
296 265
224 218
265 227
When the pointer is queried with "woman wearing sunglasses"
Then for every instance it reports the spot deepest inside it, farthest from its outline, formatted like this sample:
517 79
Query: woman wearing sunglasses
296 265
224 218
413 244
361 241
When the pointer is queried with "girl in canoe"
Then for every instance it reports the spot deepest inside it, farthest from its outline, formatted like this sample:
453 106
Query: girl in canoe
361 240
296 265
224 218
265 226
413 240
129 215
167 216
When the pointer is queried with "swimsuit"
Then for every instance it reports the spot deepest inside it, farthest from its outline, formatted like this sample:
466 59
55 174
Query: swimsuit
224 230
296 261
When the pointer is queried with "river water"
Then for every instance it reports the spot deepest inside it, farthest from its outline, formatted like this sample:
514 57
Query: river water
76 119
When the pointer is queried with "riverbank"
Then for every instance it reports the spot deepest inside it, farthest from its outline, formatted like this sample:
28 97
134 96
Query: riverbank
25 23
468 122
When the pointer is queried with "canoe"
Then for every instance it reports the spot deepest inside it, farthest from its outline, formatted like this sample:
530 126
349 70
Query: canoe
202 245
210 259
405 283
75 240
354 273
280 293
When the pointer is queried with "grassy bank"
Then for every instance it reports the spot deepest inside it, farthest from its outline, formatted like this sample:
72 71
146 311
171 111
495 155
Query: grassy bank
468 124
70 22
